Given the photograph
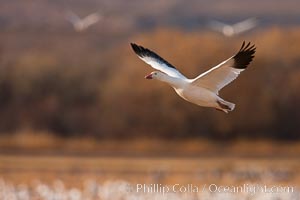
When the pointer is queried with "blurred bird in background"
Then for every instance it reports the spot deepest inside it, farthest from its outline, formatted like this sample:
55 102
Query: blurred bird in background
235 29
81 24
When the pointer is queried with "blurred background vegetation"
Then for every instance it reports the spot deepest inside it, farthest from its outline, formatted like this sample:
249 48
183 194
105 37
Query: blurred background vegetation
57 81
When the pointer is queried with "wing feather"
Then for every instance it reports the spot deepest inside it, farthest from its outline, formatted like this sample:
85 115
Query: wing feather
245 25
156 61
218 26
219 76
91 19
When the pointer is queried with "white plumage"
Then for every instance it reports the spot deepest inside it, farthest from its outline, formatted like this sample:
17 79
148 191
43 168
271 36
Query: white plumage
234 29
81 24
202 90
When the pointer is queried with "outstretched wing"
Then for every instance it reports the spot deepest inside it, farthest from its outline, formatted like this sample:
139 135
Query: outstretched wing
156 61
217 26
224 73
245 25
91 19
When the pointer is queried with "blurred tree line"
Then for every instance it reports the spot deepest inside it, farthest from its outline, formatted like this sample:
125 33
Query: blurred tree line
79 85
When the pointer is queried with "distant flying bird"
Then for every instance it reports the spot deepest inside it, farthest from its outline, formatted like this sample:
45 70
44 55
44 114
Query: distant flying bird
82 24
235 29
202 90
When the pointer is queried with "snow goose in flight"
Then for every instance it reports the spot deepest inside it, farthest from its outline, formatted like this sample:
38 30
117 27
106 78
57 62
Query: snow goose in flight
81 24
202 90
235 29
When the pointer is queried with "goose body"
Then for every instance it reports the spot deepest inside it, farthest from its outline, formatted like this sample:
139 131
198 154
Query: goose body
202 90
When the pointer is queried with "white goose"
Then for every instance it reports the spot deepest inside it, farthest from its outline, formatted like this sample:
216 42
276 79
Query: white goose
80 24
234 29
202 90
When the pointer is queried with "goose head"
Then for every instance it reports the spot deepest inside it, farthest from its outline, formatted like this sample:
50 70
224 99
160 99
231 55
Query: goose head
156 75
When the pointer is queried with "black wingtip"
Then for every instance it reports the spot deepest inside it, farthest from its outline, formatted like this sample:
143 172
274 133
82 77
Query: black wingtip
139 50
244 56
144 52
135 47
132 44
